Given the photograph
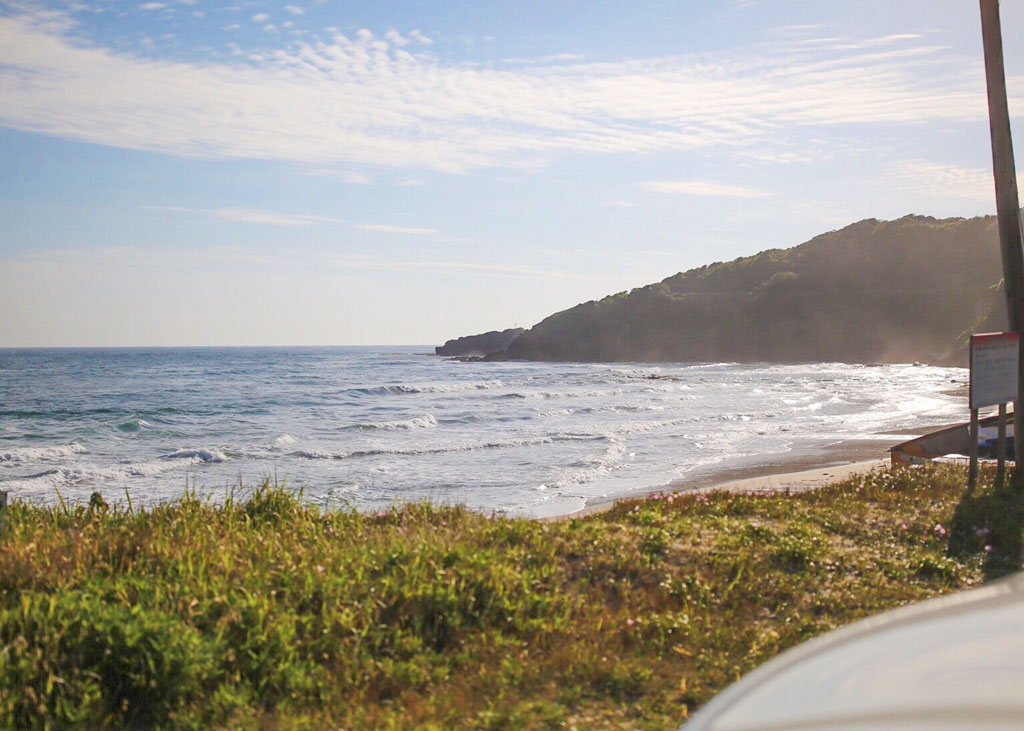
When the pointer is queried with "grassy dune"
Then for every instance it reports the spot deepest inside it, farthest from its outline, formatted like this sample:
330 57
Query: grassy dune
266 613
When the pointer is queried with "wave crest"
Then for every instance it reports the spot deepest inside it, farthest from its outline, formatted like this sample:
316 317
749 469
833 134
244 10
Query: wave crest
36 454
424 421
402 389
196 455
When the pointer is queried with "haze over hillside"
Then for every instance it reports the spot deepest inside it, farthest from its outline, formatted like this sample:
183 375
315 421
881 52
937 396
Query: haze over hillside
875 291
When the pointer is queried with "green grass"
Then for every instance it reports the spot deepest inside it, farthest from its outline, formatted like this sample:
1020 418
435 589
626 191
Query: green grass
267 613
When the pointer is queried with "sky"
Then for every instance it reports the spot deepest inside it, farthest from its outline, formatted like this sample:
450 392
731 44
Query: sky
313 172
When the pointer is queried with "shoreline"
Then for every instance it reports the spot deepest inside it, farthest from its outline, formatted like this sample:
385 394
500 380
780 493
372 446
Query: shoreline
769 473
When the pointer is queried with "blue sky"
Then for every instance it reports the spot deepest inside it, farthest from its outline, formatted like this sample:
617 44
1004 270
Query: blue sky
197 173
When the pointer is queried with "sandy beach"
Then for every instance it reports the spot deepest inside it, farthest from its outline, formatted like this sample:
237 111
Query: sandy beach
795 473
802 480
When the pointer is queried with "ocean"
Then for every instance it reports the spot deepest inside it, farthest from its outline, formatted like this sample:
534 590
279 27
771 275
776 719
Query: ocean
369 427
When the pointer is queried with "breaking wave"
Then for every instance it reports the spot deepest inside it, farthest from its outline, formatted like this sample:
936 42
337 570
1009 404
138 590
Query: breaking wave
465 447
134 425
196 455
284 440
424 421
90 473
38 454
403 389
589 469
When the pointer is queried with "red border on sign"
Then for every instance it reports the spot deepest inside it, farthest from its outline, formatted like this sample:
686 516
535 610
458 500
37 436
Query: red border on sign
984 338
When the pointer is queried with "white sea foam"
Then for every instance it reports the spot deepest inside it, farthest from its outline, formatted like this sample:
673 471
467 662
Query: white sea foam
423 421
559 412
592 468
134 425
45 481
622 408
445 449
548 395
196 455
90 474
411 389
455 387
641 427
41 454
321 454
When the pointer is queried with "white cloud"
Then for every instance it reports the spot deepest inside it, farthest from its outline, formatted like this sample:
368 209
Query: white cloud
260 17
420 38
619 204
795 30
369 101
702 187
293 9
459 267
396 38
941 180
253 215
554 58
406 230
217 258
432 234
152 6
348 176
873 42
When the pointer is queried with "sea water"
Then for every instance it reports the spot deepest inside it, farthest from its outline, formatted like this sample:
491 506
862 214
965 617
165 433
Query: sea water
368 427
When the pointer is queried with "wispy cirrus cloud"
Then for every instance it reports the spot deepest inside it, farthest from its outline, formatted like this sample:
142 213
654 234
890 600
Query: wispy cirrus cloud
553 58
941 180
367 100
459 267
876 42
390 229
135 258
702 187
432 234
347 176
253 215
798 29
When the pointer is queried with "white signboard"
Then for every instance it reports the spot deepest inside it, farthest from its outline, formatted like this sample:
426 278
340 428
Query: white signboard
994 366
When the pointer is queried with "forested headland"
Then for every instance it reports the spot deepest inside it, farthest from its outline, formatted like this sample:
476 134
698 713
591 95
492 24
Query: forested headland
906 290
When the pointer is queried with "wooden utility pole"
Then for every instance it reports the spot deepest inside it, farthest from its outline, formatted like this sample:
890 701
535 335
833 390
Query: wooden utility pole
1007 205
